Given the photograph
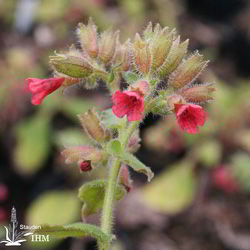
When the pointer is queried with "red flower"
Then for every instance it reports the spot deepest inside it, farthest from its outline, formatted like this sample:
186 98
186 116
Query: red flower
40 88
85 166
189 117
224 180
130 103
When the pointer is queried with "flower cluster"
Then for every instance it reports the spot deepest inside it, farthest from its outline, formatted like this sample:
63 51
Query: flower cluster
160 79
158 56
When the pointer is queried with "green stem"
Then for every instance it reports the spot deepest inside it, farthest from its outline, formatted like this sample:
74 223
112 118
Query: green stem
106 220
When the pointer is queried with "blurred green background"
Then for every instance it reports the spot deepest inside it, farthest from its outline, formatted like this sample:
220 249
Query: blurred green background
200 196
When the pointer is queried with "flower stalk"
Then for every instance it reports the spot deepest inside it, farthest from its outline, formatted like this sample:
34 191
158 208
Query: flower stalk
160 79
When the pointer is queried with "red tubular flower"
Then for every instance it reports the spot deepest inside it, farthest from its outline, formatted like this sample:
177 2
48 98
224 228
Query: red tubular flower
40 88
189 117
130 103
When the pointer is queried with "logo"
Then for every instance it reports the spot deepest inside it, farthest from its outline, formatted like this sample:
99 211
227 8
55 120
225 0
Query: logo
12 236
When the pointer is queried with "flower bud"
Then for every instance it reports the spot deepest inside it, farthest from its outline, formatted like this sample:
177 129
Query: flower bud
124 178
188 71
140 86
148 32
160 49
88 38
73 66
198 93
78 154
123 56
173 100
107 45
71 81
85 166
142 56
92 126
134 142
174 58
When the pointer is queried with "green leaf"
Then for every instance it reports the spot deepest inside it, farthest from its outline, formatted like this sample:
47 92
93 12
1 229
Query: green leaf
33 144
136 164
173 190
110 120
92 194
209 153
77 230
130 77
114 147
53 207
71 137
241 170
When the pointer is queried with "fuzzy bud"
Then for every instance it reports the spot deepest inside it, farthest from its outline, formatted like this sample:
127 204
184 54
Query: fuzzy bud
173 100
123 56
160 49
124 178
88 38
148 32
174 58
107 45
85 166
188 71
77 67
198 93
93 127
134 142
142 55
140 86
79 154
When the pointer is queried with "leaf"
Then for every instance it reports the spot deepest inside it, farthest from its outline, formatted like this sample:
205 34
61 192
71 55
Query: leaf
136 164
54 207
241 170
114 147
110 120
173 190
92 194
70 137
33 144
77 230
209 153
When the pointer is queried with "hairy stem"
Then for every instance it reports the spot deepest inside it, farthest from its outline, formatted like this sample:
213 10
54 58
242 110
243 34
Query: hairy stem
106 220
107 212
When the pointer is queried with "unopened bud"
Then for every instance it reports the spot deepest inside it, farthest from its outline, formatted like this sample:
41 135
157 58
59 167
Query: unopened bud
175 99
198 93
148 32
88 37
160 49
93 127
123 56
79 154
188 71
124 178
77 67
107 45
140 86
134 142
174 58
142 55
85 166
71 81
